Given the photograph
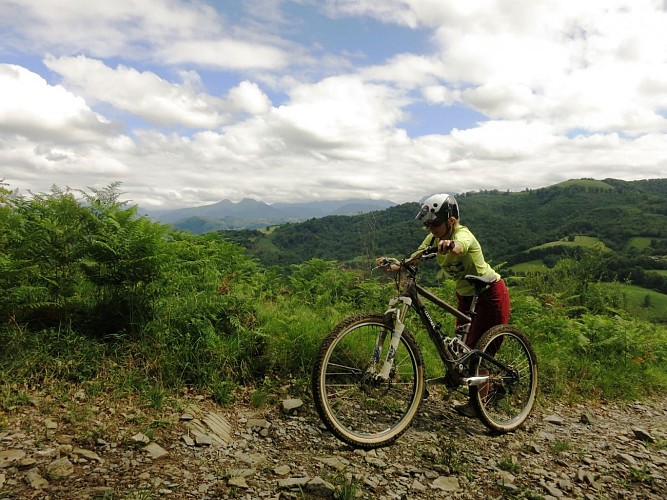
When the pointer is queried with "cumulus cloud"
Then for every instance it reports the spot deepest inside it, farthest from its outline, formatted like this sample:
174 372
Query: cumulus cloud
581 64
102 28
165 31
339 112
247 97
150 97
143 94
225 53
191 102
31 108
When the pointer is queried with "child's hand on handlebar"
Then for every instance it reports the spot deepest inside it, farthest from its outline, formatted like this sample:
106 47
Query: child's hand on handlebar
388 264
446 246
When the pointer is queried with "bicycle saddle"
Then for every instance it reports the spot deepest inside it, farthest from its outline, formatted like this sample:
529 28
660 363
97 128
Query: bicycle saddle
480 282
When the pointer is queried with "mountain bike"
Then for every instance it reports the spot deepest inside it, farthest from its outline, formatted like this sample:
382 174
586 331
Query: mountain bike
368 379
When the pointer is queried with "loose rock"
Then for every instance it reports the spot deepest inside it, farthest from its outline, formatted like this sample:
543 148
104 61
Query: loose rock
274 453
59 469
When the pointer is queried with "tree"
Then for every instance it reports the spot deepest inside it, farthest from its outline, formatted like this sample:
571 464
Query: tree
647 301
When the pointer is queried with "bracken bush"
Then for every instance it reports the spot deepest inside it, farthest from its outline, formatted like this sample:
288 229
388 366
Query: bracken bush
93 293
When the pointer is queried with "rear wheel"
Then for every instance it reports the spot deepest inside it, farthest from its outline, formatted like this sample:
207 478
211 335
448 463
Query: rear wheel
506 400
354 404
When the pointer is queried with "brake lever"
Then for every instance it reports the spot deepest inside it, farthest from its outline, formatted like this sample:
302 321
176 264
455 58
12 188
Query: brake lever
386 263
429 253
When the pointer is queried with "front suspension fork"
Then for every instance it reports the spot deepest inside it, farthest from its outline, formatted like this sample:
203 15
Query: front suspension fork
398 308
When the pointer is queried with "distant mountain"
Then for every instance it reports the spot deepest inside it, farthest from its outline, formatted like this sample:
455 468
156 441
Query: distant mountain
252 214
316 209
246 208
627 217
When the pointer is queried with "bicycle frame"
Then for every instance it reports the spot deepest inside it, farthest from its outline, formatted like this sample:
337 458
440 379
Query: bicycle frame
453 351
369 399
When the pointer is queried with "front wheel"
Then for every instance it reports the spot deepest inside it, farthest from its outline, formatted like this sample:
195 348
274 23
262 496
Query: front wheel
506 399
355 405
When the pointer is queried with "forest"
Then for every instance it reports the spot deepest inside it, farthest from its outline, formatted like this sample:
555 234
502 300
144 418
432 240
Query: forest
627 218
94 295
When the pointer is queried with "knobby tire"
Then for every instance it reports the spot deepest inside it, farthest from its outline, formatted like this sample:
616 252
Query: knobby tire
354 405
507 399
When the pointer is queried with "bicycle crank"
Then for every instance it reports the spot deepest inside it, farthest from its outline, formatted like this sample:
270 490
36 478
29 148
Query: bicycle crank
470 381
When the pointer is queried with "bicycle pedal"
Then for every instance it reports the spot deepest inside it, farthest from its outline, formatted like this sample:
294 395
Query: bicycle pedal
447 380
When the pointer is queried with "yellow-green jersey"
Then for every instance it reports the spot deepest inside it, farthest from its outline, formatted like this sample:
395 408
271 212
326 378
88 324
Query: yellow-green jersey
470 261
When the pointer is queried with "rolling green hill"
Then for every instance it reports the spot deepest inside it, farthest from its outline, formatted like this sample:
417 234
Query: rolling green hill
627 217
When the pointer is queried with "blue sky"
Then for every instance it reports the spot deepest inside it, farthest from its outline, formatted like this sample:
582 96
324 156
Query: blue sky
191 102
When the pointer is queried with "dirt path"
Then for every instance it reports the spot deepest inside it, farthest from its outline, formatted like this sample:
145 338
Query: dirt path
83 447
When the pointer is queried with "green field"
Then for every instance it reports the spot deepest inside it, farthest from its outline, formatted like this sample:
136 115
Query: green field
637 301
579 241
639 242
529 267
269 229
642 302
586 184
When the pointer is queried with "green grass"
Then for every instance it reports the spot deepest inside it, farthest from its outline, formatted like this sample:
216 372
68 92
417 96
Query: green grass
586 183
507 464
582 355
637 299
639 242
265 245
346 489
531 266
579 241
269 229
559 446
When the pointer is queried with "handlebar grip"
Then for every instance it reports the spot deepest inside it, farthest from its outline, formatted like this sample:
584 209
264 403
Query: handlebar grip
431 250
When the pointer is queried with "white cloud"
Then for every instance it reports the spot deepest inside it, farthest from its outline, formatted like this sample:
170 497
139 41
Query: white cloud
440 94
390 11
127 28
146 95
224 54
407 71
29 107
506 100
143 94
247 97
165 31
504 141
580 65
221 105
339 116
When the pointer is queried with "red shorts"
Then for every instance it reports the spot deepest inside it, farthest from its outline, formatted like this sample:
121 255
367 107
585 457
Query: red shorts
493 308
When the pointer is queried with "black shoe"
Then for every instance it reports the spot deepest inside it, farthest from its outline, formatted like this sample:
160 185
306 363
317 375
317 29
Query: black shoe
497 394
466 410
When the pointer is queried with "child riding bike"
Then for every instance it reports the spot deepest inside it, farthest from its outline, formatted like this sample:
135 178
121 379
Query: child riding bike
460 254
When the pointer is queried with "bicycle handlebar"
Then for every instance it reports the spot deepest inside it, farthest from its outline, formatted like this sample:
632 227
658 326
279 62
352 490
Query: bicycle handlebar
431 251
427 253
434 249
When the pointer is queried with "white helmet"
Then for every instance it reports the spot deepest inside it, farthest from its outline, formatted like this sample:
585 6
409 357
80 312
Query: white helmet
438 206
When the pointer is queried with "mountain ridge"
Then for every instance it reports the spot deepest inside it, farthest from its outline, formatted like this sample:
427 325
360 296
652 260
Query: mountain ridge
252 214
629 218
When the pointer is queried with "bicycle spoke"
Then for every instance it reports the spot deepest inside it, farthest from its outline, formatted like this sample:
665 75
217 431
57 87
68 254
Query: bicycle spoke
355 403
507 399
345 370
